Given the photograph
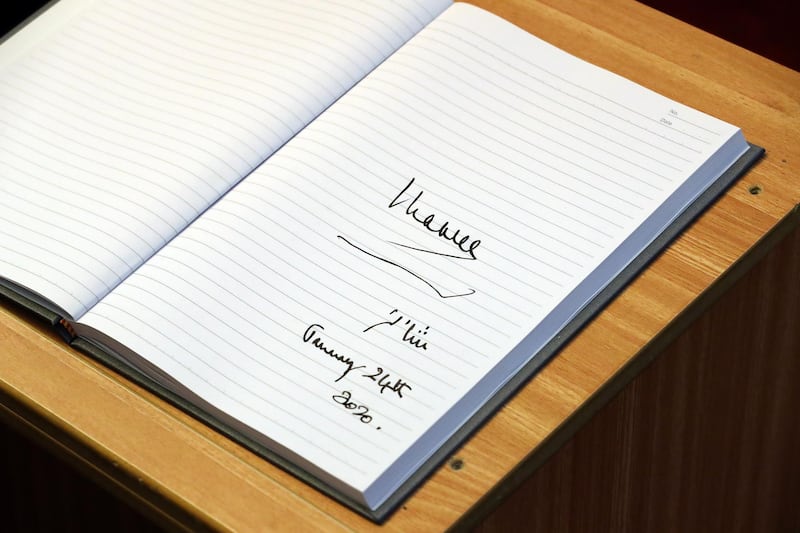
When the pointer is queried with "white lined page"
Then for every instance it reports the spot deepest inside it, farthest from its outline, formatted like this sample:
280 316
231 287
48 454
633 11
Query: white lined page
122 124
550 163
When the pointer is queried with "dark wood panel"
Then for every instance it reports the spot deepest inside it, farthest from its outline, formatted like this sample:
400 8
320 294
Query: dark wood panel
767 27
44 494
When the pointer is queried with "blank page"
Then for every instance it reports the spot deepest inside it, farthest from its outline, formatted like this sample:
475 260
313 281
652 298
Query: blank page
122 121
354 298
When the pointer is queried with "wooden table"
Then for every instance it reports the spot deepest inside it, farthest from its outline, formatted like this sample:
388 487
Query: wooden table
601 439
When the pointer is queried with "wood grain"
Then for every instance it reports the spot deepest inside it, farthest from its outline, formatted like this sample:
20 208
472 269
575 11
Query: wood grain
188 477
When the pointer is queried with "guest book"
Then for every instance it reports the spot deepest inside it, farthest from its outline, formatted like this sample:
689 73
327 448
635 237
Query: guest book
341 233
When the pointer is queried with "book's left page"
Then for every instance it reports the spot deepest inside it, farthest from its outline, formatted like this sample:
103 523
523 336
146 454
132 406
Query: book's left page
122 122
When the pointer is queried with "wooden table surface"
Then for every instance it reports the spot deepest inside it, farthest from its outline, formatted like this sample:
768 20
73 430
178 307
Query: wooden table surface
189 477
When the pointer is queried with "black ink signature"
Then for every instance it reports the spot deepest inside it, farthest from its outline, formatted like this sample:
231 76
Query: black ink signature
429 251
428 283
409 335
312 335
442 231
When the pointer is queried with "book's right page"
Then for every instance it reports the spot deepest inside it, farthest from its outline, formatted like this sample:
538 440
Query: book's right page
362 293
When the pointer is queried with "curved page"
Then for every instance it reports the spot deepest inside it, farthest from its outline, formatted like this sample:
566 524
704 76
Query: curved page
123 121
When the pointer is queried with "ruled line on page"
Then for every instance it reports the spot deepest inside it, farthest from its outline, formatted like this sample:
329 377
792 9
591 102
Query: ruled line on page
614 102
47 179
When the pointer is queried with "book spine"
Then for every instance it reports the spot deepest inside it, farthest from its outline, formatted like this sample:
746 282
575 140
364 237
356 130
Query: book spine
65 329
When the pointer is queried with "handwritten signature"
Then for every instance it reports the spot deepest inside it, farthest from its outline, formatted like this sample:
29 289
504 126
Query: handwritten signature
390 262
444 230
410 333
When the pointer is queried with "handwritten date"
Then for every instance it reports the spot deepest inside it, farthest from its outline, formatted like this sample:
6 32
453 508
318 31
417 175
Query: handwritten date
381 377
384 381
361 411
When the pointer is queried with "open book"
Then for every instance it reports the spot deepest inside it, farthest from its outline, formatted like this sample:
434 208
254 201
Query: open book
339 232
